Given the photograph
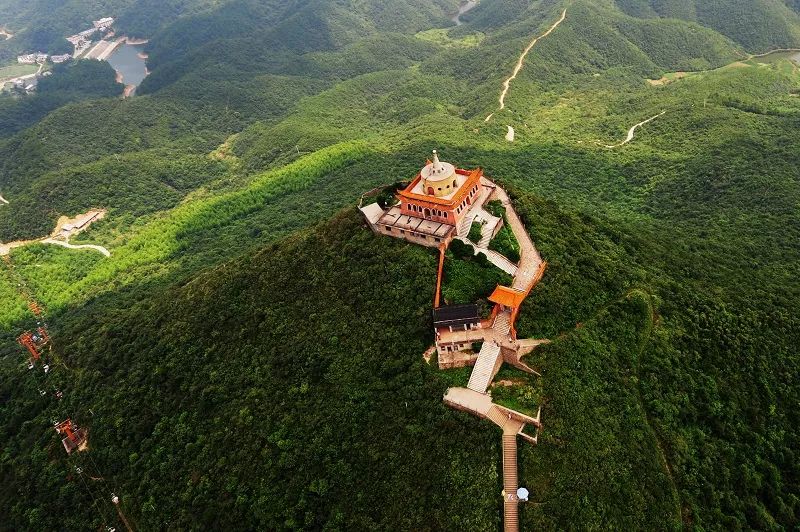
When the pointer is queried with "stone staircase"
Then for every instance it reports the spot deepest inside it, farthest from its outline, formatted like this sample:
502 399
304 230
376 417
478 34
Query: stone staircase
483 372
490 224
496 416
463 227
510 483
502 322
486 236
501 262
494 257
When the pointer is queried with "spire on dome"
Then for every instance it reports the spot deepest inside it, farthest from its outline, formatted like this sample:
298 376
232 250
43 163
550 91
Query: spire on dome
437 166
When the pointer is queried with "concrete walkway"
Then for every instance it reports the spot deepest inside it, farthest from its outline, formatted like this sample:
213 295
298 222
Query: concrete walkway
494 257
500 338
521 61
530 260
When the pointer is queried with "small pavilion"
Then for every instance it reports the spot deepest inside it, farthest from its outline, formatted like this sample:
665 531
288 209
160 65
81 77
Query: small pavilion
507 298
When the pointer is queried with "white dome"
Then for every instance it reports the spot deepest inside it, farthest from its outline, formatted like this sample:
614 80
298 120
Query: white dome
437 170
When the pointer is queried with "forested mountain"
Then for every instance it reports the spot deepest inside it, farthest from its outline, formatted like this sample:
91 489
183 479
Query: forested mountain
757 24
249 356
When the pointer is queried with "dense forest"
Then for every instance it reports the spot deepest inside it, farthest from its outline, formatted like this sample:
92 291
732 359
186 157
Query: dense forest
250 355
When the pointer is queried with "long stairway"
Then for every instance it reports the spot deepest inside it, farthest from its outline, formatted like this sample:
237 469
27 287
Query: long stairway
510 483
463 227
496 416
490 224
483 371
502 322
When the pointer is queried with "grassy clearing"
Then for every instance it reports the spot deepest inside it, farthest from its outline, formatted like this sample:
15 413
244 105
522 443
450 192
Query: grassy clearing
16 70
441 36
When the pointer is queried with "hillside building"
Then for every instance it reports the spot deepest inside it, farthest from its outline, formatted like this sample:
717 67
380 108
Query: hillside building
435 207
103 24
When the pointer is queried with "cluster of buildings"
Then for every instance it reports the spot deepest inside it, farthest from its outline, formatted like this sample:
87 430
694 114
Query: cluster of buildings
41 57
32 59
83 40
439 205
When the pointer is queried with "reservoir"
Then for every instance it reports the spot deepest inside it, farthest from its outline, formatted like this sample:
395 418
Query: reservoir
127 62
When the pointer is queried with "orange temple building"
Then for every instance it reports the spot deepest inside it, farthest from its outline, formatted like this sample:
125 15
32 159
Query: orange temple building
435 206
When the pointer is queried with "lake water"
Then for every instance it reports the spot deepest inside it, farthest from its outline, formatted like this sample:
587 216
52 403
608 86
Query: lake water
127 62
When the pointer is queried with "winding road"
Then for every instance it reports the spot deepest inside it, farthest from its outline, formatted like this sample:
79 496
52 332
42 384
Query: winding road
631 132
61 243
521 61
63 230
3 200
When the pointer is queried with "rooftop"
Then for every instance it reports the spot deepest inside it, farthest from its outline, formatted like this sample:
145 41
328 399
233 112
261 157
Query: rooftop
456 315
436 170
394 218
508 297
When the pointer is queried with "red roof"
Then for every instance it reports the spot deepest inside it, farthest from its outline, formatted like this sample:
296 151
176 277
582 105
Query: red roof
458 197
508 297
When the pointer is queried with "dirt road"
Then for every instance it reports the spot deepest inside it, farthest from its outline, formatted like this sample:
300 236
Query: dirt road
632 132
521 61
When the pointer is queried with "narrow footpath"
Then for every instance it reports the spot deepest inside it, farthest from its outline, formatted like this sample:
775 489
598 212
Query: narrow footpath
631 132
521 61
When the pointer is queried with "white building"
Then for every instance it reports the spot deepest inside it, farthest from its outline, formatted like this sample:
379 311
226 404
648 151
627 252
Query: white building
30 59
103 23
60 58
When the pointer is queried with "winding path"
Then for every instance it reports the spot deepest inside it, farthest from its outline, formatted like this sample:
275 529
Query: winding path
520 62
61 243
3 200
63 230
631 132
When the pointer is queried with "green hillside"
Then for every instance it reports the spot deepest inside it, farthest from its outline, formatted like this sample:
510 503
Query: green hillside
758 25
250 355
